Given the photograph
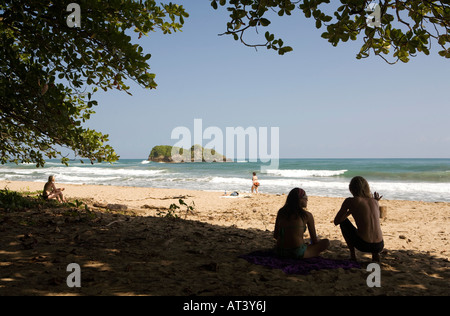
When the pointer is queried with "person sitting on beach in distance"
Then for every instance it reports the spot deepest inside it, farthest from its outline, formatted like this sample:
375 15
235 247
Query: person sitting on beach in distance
51 192
255 182
367 237
292 220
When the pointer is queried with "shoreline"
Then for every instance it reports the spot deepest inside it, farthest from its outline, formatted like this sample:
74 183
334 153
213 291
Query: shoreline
141 252
141 199
423 180
38 185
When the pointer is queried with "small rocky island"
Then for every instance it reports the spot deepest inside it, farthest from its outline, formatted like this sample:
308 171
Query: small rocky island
196 153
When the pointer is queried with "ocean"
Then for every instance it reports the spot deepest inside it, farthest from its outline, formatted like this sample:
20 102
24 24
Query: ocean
400 179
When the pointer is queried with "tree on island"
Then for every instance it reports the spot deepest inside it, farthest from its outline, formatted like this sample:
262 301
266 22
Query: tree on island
54 57
197 153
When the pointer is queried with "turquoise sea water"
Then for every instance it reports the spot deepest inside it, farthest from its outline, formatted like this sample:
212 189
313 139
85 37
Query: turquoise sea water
406 179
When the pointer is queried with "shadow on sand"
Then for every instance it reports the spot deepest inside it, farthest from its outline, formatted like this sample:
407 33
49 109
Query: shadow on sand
133 255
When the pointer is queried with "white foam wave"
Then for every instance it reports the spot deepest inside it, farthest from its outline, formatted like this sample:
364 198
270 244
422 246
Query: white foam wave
300 173
420 188
240 181
78 179
25 171
103 171
390 190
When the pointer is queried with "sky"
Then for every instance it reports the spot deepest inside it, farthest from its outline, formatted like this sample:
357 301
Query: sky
324 102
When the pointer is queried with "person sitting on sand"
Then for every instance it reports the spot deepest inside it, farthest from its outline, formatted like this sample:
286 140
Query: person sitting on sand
255 182
367 237
292 220
51 192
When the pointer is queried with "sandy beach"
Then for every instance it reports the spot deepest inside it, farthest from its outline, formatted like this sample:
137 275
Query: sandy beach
139 251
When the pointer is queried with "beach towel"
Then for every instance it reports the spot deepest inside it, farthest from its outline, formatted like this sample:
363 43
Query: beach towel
269 259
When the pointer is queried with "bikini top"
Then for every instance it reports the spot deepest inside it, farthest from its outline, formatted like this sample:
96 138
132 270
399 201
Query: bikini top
282 232
291 226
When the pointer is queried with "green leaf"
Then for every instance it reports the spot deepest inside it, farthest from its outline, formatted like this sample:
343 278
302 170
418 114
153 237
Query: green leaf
325 35
284 50
264 22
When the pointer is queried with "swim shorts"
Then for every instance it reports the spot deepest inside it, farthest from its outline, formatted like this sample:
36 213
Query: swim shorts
294 253
350 233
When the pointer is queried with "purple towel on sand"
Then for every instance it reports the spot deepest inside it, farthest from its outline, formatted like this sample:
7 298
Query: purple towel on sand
296 266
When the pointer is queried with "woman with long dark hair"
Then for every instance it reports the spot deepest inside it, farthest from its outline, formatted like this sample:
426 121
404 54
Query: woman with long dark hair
291 223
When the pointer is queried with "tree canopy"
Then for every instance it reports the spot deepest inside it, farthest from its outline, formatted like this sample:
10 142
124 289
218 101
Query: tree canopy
50 68
403 28
55 56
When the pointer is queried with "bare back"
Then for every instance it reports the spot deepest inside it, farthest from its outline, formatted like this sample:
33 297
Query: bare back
366 214
294 229
289 233
49 187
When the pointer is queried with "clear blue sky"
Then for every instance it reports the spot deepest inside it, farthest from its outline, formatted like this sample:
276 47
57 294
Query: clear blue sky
325 102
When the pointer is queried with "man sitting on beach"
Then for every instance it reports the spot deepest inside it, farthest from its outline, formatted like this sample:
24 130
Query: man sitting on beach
367 237
51 192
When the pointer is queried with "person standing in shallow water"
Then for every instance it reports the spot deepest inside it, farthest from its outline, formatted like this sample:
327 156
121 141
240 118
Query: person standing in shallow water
367 236
291 223
255 183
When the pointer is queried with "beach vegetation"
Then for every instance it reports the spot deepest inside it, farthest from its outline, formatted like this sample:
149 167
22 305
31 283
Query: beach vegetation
11 201
174 209
402 29
77 204
79 214
170 213
164 153
79 209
